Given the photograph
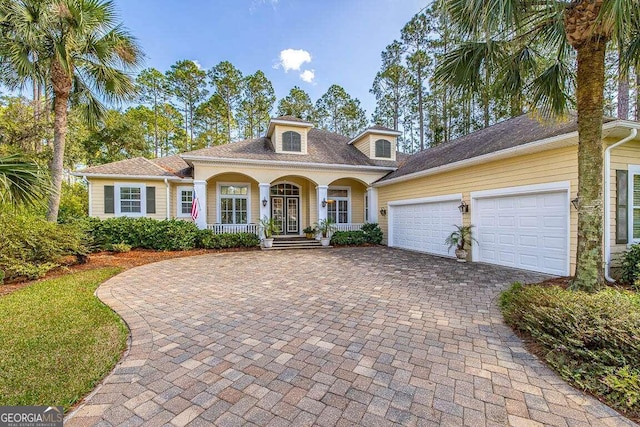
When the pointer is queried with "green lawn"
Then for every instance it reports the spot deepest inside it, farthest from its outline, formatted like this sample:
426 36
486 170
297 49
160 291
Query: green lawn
57 340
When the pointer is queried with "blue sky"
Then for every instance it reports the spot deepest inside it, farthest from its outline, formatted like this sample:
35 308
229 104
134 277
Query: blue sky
342 38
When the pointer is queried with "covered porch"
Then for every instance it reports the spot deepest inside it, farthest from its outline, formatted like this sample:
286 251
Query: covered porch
232 202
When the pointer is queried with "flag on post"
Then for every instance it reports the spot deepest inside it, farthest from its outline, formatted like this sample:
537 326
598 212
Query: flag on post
194 205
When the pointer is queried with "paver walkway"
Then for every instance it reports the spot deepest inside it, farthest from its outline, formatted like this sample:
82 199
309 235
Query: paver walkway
363 336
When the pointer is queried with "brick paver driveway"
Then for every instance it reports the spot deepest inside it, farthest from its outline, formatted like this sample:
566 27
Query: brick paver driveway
365 336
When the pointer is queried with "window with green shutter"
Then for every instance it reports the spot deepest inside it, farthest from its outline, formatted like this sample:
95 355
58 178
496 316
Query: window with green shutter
635 192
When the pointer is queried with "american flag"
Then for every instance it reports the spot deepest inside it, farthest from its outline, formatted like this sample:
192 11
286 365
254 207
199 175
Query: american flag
194 205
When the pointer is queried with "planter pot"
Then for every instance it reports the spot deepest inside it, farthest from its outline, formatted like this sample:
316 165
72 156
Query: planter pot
318 236
268 243
325 241
461 254
309 235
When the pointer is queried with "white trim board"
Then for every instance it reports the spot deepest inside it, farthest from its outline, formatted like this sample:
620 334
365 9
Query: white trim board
433 199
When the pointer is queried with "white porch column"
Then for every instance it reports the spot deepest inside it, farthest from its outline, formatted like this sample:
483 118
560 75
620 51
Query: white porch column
321 191
265 189
372 195
200 188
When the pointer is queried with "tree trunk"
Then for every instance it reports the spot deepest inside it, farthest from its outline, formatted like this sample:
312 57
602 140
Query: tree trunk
590 104
623 88
155 124
62 84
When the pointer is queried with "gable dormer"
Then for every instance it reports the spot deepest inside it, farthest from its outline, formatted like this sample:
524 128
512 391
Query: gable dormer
377 142
289 134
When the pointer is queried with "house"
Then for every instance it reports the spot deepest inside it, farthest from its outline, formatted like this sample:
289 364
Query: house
514 181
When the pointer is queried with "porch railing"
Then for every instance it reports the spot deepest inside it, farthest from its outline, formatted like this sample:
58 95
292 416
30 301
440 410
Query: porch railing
348 227
234 228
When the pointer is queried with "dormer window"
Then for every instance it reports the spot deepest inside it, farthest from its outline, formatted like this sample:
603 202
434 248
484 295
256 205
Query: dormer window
383 148
291 141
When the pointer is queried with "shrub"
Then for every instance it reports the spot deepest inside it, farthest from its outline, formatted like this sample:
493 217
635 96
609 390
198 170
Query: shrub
369 234
631 266
340 238
590 339
73 202
33 246
373 233
208 240
119 248
145 233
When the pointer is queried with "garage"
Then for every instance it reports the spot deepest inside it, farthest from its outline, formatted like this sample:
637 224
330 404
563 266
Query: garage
528 230
424 224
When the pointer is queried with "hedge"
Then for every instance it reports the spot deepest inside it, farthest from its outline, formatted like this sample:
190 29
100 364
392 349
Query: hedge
368 234
590 339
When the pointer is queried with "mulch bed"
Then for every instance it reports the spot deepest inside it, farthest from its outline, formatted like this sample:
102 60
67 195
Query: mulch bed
124 260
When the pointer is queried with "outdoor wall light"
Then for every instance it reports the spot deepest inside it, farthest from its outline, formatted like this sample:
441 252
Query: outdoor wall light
576 202
383 211
324 203
463 207
264 202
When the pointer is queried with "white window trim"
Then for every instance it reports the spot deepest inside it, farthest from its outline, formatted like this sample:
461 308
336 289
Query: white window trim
118 200
179 190
332 187
375 151
219 196
633 170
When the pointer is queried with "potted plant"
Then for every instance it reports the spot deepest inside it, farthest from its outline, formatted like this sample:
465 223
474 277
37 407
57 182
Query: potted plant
269 227
325 227
309 232
460 238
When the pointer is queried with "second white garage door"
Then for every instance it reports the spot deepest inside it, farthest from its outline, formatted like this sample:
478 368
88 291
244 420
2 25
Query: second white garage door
528 231
423 226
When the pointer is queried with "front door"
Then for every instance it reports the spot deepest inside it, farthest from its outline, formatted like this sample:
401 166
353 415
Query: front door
286 212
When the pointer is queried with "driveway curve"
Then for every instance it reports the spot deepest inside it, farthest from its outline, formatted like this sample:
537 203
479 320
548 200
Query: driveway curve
356 336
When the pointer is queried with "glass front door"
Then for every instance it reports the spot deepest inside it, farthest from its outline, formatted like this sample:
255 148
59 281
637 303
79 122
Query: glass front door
286 212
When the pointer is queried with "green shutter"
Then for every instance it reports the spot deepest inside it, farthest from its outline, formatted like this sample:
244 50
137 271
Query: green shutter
622 206
109 200
151 200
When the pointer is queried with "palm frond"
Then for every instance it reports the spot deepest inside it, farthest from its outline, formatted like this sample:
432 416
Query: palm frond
550 91
21 181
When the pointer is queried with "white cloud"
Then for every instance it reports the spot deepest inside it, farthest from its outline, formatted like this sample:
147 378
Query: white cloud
308 75
293 59
195 61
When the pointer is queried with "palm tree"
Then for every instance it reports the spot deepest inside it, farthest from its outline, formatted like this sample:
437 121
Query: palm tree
78 51
21 181
547 38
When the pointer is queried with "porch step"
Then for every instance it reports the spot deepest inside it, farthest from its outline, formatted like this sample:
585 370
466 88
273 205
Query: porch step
284 243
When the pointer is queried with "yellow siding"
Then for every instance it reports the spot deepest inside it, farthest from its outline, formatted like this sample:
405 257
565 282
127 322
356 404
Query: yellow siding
364 145
621 158
276 138
549 166
97 196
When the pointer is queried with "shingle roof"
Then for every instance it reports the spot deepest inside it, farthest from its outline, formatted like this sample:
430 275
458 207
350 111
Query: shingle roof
507 134
175 164
378 127
322 147
138 166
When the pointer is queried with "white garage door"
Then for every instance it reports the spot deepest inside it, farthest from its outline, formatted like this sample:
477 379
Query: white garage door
424 226
527 231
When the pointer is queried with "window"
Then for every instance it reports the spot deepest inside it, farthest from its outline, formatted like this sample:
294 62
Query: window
130 200
291 141
185 200
338 205
383 148
234 203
